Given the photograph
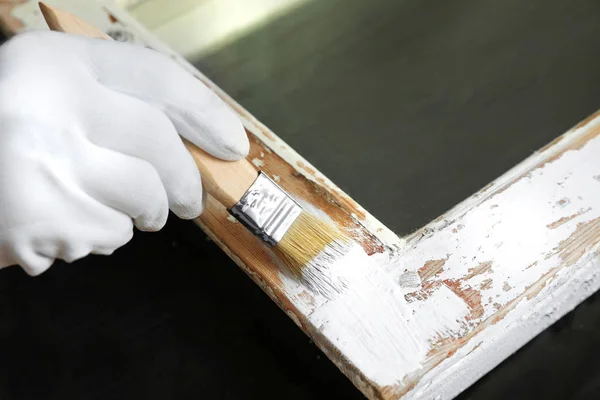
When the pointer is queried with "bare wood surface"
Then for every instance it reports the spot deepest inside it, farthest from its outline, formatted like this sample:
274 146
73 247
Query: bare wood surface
62 21
226 181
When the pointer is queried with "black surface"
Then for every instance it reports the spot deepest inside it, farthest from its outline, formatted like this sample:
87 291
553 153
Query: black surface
410 106
413 105
166 317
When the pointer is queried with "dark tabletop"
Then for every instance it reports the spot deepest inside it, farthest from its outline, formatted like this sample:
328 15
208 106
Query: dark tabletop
408 105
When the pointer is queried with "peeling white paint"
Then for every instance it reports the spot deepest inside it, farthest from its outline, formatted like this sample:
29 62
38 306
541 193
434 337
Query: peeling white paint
258 163
498 341
509 234
520 222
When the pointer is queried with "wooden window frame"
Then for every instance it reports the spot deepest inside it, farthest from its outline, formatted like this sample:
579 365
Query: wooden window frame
480 281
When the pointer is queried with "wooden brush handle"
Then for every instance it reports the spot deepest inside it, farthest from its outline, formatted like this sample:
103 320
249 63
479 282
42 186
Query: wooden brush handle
226 181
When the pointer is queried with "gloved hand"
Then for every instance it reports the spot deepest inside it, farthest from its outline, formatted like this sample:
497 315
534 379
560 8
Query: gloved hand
89 145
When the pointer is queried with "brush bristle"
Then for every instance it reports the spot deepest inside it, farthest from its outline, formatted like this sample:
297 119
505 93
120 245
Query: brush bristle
309 248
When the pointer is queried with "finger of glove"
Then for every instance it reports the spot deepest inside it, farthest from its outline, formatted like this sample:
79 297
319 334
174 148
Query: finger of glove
197 112
99 229
32 262
127 184
127 125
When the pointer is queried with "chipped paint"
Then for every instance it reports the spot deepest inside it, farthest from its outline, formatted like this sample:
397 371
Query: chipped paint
543 230
258 163
564 220
443 315
586 236
431 268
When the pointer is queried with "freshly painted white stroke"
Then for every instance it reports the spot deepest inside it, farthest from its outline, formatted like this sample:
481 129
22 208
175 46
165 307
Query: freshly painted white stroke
366 321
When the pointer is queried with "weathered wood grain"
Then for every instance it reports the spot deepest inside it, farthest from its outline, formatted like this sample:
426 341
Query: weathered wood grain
481 280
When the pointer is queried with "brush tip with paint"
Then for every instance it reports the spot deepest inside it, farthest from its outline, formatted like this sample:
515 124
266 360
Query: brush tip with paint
307 246
309 249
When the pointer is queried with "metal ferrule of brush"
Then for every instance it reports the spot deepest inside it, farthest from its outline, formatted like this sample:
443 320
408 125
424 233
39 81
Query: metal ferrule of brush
266 210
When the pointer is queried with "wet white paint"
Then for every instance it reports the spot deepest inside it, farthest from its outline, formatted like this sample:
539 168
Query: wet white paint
370 322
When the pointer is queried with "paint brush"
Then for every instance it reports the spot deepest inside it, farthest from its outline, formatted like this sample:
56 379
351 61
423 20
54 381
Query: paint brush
306 245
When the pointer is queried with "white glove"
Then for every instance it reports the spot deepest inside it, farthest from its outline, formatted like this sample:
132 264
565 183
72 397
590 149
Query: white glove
89 145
